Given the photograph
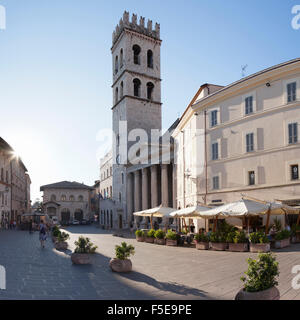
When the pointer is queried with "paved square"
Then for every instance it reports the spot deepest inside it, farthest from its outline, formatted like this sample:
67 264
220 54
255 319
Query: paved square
159 272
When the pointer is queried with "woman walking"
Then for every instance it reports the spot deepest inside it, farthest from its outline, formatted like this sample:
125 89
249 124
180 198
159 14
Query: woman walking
43 235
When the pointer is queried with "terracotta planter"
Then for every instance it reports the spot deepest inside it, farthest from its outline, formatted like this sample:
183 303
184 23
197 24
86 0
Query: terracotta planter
282 243
81 258
61 245
259 247
118 265
202 245
270 294
149 240
218 246
171 243
140 239
294 239
238 247
161 242
298 237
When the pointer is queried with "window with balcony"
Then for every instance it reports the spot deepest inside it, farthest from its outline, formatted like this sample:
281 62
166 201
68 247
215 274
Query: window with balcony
293 133
251 177
250 142
294 172
215 151
216 183
292 92
249 105
214 118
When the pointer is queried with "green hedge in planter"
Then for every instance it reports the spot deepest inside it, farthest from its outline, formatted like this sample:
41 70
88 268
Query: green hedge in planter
171 235
84 245
124 251
282 235
217 237
258 237
63 236
295 228
140 233
151 233
159 234
261 274
201 237
55 231
236 237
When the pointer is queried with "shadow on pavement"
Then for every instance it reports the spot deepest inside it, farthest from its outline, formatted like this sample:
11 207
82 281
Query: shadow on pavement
165 286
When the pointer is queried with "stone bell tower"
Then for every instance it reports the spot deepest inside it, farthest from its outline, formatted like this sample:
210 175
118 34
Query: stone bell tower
136 95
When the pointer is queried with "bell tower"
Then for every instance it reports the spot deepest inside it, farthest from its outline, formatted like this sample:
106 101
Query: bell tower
136 93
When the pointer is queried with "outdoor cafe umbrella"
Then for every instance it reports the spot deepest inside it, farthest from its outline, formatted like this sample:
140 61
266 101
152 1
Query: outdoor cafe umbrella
158 212
247 207
190 212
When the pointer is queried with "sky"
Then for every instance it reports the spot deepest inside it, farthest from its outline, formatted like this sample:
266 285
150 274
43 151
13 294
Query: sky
56 74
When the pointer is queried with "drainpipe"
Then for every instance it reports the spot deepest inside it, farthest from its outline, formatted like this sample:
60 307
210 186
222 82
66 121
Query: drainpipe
205 151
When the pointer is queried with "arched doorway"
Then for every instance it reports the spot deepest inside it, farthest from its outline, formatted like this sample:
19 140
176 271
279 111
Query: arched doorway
65 216
78 215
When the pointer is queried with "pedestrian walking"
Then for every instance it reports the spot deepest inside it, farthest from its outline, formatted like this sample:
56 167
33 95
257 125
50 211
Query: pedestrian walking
15 224
43 235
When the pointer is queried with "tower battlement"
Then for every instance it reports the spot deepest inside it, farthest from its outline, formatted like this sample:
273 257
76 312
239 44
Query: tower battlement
140 27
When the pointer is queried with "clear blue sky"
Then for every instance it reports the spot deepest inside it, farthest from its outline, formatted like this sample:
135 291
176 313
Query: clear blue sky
55 68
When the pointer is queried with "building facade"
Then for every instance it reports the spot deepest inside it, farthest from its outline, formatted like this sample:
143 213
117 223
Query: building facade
14 185
242 140
67 201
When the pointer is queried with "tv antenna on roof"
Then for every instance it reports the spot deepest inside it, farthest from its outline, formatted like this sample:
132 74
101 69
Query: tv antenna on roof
244 70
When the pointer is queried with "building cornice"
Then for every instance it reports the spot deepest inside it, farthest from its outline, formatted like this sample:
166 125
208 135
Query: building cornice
135 98
135 73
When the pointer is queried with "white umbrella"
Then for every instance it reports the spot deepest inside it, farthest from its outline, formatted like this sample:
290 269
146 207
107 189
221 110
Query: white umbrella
158 212
191 212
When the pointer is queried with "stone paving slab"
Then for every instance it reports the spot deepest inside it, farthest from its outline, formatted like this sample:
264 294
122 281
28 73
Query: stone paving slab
159 272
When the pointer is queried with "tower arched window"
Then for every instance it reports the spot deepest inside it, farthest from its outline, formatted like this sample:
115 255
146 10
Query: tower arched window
63 198
136 87
150 59
116 65
121 58
80 198
120 197
121 90
136 54
150 89
53 197
117 95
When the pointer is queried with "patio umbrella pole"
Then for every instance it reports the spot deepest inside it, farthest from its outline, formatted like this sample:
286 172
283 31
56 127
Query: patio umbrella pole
298 221
215 224
151 222
268 220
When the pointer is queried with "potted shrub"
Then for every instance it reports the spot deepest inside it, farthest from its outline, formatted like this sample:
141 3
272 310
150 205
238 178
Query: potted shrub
237 241
150 236
282 239
55 233
218 241
171 238
261 279
83 251
202 241
160 237
140 235
62 243
122 263
259 242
